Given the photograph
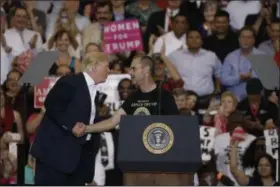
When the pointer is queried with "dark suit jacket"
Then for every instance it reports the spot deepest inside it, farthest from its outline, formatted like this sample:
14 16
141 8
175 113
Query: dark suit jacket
55 145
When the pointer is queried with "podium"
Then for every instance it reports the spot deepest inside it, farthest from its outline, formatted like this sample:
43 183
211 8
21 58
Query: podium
159 150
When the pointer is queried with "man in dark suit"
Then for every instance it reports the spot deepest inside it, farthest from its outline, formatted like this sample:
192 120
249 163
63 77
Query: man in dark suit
62 158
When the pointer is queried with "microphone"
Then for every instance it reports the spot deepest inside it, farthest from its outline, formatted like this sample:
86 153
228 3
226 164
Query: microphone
225 180
159 97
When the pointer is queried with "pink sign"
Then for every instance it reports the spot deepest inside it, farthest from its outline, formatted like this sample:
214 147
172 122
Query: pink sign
122 36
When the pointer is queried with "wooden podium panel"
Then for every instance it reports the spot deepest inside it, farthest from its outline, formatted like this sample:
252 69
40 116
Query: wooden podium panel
158 179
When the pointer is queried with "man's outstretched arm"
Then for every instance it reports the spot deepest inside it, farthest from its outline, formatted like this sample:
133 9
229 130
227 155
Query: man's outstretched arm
106 125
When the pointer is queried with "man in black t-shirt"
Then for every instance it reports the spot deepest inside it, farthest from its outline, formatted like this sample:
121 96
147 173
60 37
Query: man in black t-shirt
150 99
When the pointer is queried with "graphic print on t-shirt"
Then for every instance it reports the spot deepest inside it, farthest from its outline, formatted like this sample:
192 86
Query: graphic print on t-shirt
144 104
143 107
142 111
147 103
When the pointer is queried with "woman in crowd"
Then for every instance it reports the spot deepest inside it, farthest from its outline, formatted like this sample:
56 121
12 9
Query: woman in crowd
62 40
264 174
209 10
217 114
66 22
11 89
10 120
253 152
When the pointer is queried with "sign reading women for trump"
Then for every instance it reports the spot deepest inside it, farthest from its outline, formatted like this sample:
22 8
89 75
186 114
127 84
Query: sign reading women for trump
122 36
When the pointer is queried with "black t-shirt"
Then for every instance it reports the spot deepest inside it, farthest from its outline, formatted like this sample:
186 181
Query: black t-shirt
222 47
140 103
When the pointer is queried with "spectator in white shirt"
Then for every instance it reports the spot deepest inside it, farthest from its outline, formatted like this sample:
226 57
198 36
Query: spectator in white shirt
5 51
19 38
239 10
174 39
222 145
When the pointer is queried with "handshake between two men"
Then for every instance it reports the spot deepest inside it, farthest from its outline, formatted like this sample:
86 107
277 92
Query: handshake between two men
80 129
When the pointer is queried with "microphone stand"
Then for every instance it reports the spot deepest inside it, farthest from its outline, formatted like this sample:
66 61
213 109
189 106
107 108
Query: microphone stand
159 97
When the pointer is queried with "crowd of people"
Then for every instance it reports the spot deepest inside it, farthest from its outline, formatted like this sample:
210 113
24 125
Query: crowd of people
199 51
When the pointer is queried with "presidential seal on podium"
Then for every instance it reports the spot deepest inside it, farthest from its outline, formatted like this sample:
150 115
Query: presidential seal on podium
158 138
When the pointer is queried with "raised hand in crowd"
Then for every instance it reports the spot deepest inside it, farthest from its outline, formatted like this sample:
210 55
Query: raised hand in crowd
33 41
79 129
266 14
211 110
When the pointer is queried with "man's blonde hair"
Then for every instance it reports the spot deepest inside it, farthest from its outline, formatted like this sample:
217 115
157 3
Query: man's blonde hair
92 59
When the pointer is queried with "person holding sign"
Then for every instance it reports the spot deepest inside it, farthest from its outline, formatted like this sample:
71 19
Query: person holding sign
62 158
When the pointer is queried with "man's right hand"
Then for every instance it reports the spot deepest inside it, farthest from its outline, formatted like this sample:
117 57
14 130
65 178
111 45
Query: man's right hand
246 76
79 129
